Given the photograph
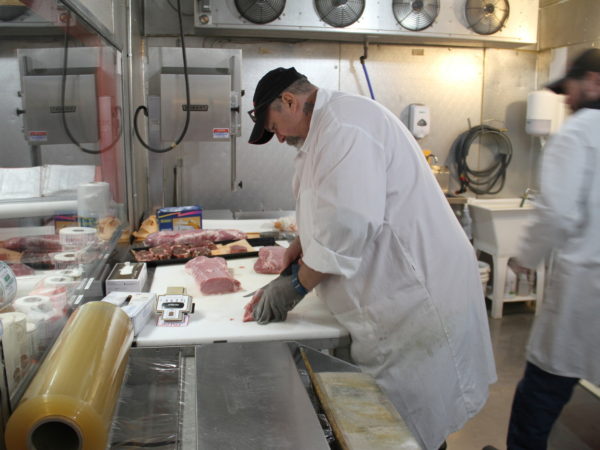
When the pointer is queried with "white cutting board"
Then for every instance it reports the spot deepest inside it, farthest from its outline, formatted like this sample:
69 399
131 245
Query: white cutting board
219 317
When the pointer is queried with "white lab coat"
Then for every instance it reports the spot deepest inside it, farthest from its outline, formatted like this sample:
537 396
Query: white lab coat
405 280
565 338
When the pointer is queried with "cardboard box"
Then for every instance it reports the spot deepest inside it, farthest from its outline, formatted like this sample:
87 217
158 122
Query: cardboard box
139 306
128 277
179 218
65 220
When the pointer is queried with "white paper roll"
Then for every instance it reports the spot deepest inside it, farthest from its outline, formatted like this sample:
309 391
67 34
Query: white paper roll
74 273
14 343
64 260
57 296
38 310
34 341
58 281
93 200
76 237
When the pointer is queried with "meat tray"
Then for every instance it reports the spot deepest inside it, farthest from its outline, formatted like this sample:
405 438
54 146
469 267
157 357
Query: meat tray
254 242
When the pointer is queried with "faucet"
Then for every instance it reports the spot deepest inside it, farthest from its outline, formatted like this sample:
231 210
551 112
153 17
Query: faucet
431 157
527 195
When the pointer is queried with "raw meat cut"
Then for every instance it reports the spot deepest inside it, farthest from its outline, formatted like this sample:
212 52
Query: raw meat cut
40 244
270 259
249 307
161 252
166 252
212 275
21 270
195 238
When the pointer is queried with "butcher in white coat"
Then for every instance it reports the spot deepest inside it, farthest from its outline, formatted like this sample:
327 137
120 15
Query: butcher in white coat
384 251
564 345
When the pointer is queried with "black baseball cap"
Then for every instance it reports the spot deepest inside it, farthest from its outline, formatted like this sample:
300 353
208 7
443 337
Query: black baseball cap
268 89
588 61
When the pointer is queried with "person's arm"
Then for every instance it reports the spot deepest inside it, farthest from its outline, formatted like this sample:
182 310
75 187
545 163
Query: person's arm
309 278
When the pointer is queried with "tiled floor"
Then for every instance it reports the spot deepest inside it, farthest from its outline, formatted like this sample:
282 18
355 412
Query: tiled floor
577 427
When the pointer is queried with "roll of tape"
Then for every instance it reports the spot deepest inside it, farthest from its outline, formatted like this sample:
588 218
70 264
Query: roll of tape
64 260
37 308
74 273
93 201
57 295
58 281
64 402
14 343
34 341
76 237
8 284
40 310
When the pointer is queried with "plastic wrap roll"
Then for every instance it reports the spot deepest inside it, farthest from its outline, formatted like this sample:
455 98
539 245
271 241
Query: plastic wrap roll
76 237
71 400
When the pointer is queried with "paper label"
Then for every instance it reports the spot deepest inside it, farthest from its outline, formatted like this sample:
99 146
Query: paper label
38 136
172 323
220 133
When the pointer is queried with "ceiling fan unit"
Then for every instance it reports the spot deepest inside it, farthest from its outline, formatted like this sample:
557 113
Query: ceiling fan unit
486 16
416 15
260 11
340 13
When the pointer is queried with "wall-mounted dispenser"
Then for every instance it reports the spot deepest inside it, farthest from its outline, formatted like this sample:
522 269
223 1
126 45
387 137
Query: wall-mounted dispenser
545 112
419 120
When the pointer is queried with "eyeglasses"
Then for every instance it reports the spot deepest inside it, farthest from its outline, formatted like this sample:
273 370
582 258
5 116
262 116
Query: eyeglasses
252 112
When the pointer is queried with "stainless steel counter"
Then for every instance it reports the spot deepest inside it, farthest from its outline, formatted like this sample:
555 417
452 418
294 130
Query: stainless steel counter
224 396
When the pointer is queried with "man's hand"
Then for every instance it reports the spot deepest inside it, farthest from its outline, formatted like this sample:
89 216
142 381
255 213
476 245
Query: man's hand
277 298
516 266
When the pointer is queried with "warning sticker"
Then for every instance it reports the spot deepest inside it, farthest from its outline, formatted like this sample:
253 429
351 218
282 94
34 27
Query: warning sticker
220 133
38 136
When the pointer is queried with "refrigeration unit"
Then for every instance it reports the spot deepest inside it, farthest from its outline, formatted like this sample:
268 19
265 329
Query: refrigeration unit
214 77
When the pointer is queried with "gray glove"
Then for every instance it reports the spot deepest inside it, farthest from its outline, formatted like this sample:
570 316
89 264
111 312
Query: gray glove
278 297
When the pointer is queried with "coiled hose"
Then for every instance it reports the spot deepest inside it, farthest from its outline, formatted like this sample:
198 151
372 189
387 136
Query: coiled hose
491 179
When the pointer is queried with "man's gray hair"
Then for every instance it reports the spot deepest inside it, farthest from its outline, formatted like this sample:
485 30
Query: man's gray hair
300 86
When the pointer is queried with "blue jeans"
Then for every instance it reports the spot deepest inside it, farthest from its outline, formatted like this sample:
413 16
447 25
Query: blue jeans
539 399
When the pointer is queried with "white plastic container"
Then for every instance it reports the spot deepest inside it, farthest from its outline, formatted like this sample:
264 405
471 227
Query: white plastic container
484 273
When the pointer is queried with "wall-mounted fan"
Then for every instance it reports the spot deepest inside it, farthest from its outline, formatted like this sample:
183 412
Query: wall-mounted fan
260 11
416 15
340 13
486 16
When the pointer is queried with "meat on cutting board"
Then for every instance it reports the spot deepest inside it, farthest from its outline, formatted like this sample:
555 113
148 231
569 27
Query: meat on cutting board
249 307
195 238
212 275
270 259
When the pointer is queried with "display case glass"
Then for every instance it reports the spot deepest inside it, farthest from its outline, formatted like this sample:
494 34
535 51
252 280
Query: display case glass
62 175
